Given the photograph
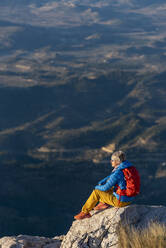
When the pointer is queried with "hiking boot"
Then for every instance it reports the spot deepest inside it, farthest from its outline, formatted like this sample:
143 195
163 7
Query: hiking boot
101 206
81 216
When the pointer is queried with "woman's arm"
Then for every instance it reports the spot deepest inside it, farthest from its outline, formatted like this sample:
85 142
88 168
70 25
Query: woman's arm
112 181
103 180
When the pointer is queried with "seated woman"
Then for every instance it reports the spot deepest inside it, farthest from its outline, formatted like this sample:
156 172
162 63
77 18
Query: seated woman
118 189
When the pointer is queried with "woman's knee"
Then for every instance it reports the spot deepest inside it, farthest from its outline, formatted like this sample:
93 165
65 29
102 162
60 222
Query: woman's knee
96 192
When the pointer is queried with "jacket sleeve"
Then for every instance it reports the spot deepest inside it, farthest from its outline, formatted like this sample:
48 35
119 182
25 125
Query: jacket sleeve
103 180
113 179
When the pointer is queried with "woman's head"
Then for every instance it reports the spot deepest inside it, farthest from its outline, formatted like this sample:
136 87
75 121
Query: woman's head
117 158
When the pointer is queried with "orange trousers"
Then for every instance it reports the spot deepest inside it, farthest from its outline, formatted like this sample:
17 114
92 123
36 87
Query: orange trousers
104 197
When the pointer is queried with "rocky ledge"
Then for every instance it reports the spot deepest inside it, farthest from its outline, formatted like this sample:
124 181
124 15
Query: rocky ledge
99 231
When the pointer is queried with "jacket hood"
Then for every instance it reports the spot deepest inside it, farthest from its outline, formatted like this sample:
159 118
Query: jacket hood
124 164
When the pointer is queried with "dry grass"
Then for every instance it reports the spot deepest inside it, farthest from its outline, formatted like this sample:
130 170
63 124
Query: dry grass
152 237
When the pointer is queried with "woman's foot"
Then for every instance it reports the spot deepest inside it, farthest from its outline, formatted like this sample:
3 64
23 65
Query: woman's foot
81 216
101 206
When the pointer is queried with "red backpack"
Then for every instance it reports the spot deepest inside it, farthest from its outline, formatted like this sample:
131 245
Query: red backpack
132 182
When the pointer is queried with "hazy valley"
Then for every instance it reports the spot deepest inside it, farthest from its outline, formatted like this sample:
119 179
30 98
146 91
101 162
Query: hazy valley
76 80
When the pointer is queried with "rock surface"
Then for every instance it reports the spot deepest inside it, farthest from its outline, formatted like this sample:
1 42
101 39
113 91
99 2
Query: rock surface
25 241
99 231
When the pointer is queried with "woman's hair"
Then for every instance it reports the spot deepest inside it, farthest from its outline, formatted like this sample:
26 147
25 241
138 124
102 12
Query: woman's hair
118 156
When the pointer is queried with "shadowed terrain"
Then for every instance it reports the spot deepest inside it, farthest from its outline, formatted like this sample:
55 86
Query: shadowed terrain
77 80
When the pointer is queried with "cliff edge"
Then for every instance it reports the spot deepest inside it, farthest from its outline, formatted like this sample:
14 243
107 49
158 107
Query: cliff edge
99 231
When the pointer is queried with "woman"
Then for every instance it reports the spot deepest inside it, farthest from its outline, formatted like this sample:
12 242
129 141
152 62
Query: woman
113 190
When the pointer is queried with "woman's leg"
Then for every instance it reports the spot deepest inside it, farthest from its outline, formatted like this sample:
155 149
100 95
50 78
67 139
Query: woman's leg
104 197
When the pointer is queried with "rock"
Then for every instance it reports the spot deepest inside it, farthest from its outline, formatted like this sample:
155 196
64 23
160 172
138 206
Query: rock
25 241
100 231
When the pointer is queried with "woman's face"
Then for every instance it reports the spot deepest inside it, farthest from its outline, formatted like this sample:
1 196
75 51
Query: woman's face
114 163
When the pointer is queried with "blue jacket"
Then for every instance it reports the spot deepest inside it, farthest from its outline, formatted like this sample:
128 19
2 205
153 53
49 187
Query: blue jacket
116 178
